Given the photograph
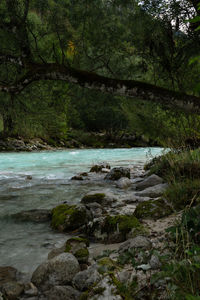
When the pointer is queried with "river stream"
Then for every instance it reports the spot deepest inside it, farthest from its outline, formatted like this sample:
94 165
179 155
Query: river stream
24 245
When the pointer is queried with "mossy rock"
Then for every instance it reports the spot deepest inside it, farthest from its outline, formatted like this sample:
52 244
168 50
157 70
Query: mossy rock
153 209
78 247
82 255
68 217
93 197
118 227
121 223
106 264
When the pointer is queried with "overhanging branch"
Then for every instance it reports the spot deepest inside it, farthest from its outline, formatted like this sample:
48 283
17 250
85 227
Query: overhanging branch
130 88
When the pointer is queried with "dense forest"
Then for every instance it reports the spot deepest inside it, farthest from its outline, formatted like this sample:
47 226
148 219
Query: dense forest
117 69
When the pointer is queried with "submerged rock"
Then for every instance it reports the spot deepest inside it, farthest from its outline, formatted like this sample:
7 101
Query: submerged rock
103 198
57 271
69 217
34 215
117 173
153 209
7 274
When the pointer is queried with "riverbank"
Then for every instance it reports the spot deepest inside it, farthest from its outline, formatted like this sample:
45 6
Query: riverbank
76 139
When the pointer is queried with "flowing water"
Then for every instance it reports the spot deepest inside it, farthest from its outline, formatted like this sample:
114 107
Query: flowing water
25 245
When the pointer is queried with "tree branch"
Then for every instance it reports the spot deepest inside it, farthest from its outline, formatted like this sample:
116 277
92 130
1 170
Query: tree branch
130 88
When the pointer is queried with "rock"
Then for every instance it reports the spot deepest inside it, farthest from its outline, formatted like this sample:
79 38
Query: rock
62 293
77 177
106 264
30 290
69 217
137 242
95 208
57 271
154 191
55 252
7 274
103 198
148 182
86 279
98 168
105 170
1 296
114 229
34 215
117 173
123 183
104 290
124 276
12 289
153 209
78 247
29 177
155 262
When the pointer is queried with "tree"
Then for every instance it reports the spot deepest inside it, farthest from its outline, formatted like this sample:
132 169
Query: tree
35 39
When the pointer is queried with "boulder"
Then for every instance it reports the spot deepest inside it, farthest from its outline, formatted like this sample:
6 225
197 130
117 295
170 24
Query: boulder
123 183
148 182
69 217
98 167
57 271
103 198
34 215
104 290
137 242
87 278
154 191
62 293
117 173
153 209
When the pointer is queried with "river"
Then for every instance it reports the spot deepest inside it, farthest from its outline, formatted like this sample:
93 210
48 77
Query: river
24 245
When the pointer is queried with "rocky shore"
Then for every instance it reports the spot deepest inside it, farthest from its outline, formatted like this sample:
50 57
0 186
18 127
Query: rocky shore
89 140
116 246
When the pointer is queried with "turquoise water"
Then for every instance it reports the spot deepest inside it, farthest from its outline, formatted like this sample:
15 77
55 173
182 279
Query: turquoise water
25 245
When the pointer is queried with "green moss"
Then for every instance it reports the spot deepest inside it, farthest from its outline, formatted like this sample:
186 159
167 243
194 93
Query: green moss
68 247
153 209
82 253
106 264
68 217
93 198
80 240
121 223
84 296
60 213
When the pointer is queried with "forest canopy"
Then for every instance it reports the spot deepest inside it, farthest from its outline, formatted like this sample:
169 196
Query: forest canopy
52 50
